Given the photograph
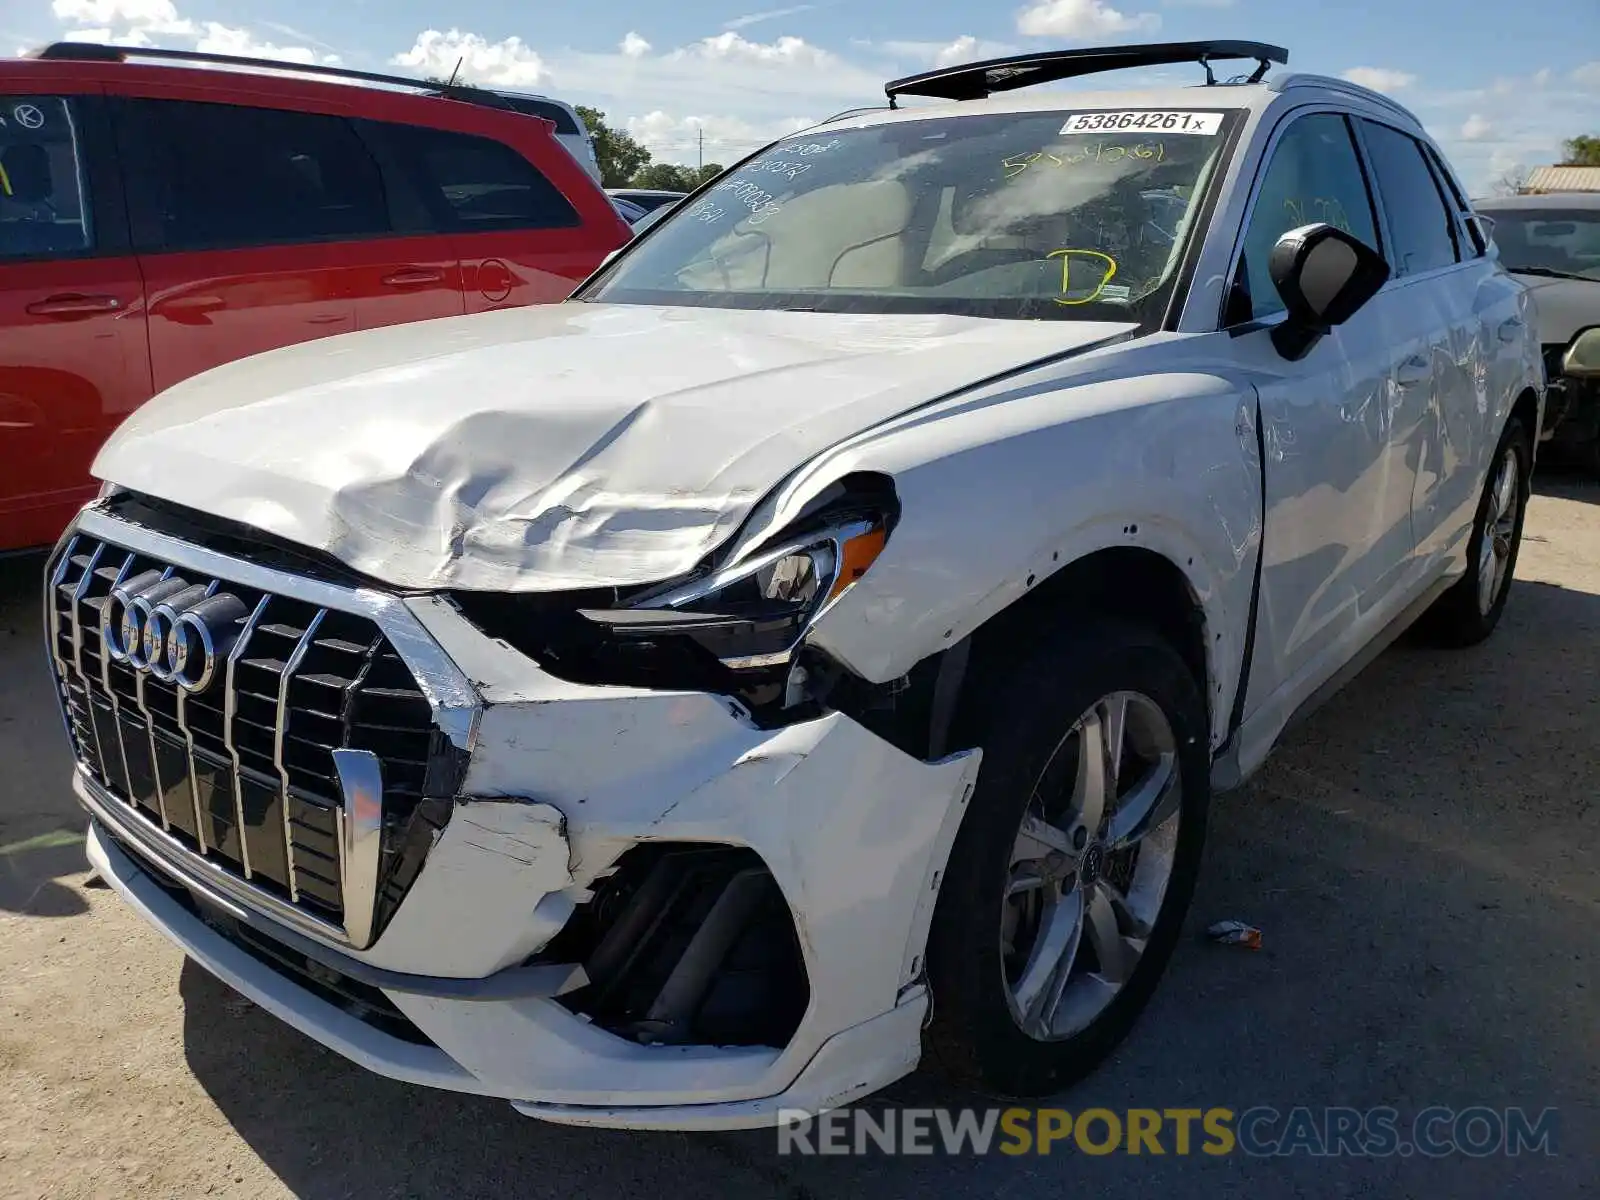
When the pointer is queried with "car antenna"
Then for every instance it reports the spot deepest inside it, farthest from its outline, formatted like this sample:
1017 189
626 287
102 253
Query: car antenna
456 72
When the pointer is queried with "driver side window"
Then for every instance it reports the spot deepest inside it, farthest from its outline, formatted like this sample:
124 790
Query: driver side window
1314 176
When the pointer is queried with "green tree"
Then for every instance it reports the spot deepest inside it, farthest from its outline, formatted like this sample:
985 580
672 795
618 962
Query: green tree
620 157
1582 151
708 172
673 177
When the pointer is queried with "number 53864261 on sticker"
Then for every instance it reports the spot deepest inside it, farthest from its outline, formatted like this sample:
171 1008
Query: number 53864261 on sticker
1144 120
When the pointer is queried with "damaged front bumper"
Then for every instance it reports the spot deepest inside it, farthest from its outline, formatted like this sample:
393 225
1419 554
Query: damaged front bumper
642 909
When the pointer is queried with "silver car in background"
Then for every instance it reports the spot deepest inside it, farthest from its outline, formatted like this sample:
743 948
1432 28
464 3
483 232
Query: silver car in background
1551 243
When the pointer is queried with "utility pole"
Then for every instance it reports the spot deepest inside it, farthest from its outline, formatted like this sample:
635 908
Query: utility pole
702 131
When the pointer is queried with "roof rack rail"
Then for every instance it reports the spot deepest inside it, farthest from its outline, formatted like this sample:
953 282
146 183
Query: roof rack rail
975 81
851 112
98 52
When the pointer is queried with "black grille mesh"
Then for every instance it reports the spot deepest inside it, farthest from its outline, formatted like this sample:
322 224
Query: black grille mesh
256 793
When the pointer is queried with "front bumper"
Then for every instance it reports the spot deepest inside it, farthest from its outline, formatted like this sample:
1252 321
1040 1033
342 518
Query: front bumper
850 1064
563 781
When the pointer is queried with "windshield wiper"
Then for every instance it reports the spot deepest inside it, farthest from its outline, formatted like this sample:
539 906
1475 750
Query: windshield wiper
1551 273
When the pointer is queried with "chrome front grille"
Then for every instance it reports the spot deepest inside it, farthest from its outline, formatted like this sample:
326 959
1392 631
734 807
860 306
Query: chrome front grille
252 772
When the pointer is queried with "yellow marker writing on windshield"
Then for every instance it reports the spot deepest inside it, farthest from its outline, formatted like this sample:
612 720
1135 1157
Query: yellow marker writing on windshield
1066 269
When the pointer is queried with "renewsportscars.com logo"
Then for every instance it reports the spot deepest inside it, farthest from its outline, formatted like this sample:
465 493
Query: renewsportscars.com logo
1436 1132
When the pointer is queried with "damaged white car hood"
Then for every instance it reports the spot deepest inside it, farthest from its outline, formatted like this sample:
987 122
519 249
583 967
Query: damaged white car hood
536 449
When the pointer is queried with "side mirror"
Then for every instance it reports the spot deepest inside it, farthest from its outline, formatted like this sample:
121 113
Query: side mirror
1582 359
1324 276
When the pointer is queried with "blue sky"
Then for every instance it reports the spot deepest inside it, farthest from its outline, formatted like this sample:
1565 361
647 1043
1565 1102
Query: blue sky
1496 93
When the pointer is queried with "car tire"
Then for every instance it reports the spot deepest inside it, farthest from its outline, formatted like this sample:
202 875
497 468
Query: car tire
1468 613
1004 1022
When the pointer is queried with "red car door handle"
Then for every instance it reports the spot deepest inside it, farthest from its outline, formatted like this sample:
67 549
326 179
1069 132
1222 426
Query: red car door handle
413 277
73 306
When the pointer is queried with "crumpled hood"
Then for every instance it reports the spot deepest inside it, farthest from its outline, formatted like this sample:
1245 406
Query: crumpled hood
1562 306
536 449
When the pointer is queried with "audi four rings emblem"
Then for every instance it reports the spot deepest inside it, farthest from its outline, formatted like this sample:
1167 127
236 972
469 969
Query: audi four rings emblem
174 630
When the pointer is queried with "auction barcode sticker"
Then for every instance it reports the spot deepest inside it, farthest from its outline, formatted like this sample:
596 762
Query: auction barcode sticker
1144 121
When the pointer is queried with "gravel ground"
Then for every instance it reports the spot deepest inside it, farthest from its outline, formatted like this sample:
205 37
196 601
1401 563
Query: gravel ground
1420 854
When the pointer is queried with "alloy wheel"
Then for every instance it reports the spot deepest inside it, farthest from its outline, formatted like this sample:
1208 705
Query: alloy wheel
1499 530
1090 866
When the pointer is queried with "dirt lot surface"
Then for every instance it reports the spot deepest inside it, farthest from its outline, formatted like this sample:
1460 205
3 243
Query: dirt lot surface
1421 856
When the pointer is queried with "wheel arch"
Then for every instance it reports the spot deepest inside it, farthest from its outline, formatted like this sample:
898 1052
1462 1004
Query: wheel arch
1131 583
1527 409
934 708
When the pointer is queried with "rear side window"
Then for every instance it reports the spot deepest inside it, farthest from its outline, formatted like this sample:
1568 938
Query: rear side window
1469 232
1422 228
210 176
44 206
475 183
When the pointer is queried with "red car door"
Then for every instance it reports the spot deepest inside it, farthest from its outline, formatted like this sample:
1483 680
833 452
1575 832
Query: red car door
244 218
528 225
399 279
74 359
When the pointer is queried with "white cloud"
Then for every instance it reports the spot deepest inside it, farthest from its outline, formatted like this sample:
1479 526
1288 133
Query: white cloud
633 46
965 48
507 63
1587 75
786 50
1082 19
726 139
106 36
227 39
1380 79
1505 125
139 23
291 32
741 92
772 14
146 16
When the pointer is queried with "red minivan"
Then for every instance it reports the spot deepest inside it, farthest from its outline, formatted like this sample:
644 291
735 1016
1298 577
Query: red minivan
160 218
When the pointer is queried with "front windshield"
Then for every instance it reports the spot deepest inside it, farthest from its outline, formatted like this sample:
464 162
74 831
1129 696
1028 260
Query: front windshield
1023 215
1549 241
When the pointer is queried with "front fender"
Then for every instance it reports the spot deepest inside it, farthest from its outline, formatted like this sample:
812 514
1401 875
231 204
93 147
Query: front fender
1000 491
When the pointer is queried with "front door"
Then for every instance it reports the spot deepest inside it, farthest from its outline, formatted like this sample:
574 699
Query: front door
1337 539
74 360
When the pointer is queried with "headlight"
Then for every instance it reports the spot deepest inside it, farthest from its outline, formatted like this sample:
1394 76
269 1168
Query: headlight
754 615
1582 359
